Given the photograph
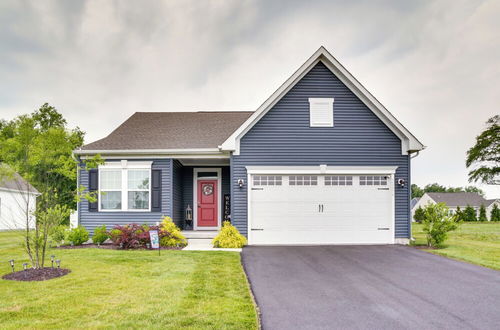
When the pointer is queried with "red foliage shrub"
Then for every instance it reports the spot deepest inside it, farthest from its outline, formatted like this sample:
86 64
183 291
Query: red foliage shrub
133 236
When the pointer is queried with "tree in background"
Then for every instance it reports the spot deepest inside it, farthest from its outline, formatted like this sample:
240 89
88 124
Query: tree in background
419 214
484 156
416 191
495 213
469 214
482 213
40 148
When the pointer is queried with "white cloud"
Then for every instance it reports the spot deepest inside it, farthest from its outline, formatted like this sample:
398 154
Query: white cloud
434 64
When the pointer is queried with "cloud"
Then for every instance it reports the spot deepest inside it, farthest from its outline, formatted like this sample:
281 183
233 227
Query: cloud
434 64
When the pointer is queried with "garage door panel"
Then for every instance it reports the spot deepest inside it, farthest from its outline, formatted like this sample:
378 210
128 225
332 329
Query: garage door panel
321 214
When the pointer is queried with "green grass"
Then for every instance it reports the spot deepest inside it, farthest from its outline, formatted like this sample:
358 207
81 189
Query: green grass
128 289
476 242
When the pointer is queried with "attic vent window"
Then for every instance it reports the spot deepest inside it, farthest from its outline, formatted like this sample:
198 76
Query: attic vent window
321 112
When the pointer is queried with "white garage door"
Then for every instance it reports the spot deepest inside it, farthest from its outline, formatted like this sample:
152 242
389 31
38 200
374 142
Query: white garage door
321 209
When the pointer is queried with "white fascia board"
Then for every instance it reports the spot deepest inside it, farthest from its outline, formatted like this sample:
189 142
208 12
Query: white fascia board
154 153
22 192
408 142
321 169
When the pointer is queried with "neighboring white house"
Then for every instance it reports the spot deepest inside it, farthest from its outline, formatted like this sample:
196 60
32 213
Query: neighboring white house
454 200
17 200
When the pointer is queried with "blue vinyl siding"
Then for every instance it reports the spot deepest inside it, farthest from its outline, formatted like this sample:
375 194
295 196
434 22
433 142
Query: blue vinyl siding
91 220
283 137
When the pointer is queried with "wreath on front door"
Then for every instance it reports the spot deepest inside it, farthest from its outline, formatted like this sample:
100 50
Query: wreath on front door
208 189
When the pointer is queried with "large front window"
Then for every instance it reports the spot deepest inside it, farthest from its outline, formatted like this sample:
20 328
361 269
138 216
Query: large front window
124 187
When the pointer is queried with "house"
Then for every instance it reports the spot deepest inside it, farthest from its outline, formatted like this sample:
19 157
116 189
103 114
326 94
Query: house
17 203
453 200
321 161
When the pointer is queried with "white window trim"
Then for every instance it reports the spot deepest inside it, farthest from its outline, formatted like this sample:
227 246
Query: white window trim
124 166
320 100
195 195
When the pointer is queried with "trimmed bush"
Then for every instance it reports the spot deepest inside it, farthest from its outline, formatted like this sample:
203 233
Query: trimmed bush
419 214
78 235
437 223
482 213
495 213
58 234
131 236
469 214
229 237
170 234
100 235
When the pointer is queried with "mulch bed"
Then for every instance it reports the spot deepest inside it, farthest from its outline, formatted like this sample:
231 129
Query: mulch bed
109 246
41 274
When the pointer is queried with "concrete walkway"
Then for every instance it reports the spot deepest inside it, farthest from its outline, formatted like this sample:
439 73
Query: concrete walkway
202 241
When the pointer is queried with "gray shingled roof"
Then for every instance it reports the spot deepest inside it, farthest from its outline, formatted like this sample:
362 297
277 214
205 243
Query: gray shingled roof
414 202
459 199
16 182
172 130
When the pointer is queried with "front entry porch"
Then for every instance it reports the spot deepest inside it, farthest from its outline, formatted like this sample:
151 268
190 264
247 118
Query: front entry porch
201 195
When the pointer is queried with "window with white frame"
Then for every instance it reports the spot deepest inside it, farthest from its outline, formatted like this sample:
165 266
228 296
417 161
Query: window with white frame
267 180
338 180
125 186
321 112
303 180
373 180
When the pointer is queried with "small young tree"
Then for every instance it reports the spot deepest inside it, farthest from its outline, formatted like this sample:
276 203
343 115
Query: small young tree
469 214
419 214
459 215
437 223
495 213
482 213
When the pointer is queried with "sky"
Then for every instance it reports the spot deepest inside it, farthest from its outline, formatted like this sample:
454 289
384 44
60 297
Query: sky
434 64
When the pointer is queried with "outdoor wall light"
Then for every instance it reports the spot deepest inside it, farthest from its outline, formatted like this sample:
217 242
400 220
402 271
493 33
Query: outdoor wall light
58 262
52 257
241 182
25 266
402 182
11 262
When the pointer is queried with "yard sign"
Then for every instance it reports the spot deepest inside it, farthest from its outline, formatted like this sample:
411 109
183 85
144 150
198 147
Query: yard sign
155 239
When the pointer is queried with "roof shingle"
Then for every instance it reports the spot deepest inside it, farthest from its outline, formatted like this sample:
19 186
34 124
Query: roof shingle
172 130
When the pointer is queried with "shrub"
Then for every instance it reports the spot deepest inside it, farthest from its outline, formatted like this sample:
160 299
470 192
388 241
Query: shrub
469 214
78 235
170 234
58 234
229 237
132 236
482 213
419 214
437 223
495 213
100 235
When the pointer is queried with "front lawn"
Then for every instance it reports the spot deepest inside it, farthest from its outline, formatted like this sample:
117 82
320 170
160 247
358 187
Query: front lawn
474 242
128 289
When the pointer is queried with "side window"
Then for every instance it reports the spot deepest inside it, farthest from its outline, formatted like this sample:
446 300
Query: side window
338 180
267 180
303 180
373 180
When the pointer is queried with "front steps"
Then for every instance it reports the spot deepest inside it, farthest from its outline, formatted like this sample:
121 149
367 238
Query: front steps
201 240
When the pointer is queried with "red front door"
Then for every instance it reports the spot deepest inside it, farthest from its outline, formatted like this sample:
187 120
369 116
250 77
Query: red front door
207 203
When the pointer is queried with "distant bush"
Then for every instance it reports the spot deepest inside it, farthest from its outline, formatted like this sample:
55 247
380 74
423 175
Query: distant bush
437 223
419 214
229 237
495 213
78 235
58 234
469 214
100 235
482 213
170 234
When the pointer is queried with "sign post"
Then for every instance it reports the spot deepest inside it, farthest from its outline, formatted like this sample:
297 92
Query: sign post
155 240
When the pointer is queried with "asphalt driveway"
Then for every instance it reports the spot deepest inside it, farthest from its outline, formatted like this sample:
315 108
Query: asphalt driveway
370 287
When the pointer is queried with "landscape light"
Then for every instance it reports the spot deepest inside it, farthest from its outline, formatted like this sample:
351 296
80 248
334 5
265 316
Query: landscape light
25 266
52 257
58 262
148 246
11 262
